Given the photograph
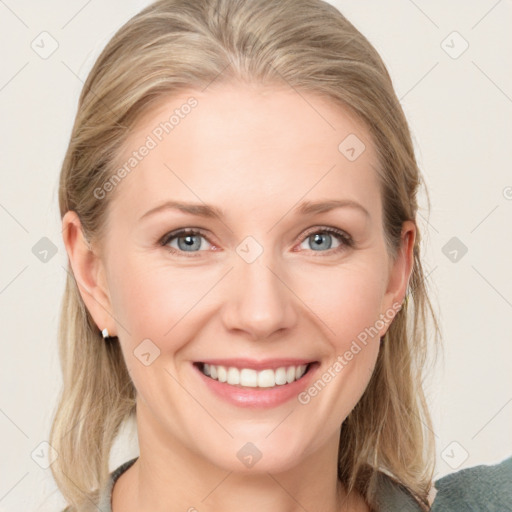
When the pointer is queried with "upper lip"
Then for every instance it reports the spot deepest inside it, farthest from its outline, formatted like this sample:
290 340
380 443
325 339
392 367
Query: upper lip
260 364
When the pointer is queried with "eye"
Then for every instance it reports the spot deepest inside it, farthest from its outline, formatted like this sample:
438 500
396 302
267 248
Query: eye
321 238
192 241
187 240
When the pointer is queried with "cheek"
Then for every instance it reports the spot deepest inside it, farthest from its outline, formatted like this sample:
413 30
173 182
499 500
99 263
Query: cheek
158 307
346 302
346 299
155 300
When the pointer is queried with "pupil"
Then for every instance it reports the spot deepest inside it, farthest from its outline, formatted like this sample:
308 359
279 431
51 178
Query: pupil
189 241
319 238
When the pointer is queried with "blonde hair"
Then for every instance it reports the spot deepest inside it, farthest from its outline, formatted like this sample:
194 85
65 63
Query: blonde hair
177 45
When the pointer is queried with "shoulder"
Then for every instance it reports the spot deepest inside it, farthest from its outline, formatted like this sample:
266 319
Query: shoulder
389 495
480 488
105 497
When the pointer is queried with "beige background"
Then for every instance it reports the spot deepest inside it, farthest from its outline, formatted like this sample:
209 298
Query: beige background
460 111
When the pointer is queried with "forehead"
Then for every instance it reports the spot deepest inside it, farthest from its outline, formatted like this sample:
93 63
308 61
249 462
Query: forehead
250 147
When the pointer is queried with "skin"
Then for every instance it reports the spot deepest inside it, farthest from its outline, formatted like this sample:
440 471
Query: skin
256 153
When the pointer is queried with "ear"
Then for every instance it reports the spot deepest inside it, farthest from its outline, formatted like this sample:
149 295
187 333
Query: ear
399 274
89 273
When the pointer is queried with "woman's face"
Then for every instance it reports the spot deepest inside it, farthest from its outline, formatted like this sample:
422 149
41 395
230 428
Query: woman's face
264 283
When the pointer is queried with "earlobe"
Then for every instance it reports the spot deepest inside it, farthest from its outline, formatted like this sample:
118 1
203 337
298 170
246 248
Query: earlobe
89 272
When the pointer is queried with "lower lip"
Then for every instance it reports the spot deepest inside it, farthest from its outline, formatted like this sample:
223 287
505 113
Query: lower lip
258 397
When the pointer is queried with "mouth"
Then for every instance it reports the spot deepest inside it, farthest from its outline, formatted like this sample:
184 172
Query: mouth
273 375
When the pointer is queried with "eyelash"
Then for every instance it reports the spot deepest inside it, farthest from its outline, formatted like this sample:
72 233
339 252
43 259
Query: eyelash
345 239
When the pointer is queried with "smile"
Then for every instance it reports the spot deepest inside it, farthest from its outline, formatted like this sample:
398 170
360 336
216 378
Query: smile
249 377
256 383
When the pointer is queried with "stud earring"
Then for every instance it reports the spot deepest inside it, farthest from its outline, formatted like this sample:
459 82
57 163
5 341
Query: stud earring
105 333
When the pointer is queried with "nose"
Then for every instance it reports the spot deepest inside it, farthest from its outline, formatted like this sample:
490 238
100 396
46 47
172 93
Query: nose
259 302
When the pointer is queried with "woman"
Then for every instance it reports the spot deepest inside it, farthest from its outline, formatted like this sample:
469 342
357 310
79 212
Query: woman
238 202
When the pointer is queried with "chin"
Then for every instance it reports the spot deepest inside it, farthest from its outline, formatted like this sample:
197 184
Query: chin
259 456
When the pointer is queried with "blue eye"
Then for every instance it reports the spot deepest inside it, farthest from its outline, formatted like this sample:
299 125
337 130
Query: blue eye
322 239
189 242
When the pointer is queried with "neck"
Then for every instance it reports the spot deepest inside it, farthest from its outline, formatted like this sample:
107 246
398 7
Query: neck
168 474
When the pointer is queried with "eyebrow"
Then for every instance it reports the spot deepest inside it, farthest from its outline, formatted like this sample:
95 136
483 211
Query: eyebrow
212 212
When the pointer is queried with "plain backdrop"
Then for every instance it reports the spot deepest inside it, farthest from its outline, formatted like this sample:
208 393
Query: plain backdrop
451 67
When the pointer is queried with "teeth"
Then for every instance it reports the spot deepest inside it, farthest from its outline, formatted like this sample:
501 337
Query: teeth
222 374
255 379
233 376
